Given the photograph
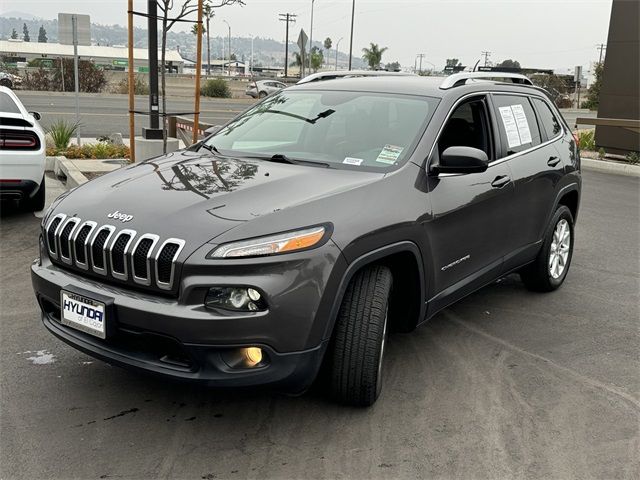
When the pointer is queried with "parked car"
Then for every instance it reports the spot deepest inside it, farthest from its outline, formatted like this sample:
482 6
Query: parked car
9 80
262 88
334 74
304 231
22 156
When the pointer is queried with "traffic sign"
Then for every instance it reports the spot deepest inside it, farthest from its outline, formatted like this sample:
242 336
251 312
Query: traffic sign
302 40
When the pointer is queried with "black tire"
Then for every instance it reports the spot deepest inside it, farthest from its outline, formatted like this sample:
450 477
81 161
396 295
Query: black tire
357 354
5 82
262 94
537 276
36 202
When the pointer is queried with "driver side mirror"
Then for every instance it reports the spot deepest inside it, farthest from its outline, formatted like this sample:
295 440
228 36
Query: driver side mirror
461 160
35 115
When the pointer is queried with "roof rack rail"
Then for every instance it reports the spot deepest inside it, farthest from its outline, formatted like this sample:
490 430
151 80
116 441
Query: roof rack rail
461 78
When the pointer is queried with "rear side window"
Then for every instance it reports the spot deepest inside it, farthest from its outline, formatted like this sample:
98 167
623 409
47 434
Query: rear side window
7 105
548 120
517 123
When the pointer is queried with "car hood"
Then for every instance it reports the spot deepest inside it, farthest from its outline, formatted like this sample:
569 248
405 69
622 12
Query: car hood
197 197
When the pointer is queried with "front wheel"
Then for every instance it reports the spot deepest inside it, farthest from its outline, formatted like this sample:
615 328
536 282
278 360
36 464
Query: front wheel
360 338
550 267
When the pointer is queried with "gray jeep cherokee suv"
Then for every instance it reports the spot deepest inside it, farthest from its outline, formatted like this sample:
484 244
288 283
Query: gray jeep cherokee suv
302 232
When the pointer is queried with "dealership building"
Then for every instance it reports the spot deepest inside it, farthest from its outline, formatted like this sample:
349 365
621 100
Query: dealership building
18 53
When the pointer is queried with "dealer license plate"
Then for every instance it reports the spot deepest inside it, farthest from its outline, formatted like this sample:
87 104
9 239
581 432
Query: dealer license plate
82 313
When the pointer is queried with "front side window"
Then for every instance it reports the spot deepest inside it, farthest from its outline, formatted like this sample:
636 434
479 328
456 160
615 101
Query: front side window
548 120
517 123
370 131
468 126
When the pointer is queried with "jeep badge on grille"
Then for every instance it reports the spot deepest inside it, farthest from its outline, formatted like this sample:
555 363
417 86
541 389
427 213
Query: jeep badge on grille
123 217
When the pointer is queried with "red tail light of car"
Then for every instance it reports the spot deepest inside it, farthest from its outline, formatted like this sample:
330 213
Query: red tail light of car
18 140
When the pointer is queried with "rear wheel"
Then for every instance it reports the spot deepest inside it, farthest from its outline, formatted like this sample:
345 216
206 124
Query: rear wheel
36 202
262 94
360 338
550 267
5 82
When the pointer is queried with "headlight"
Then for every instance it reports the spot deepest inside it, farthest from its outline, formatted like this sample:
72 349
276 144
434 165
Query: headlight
271 245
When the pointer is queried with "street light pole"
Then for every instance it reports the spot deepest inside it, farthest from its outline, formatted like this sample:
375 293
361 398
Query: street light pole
311 32
251 67
338 45
229 63
353 14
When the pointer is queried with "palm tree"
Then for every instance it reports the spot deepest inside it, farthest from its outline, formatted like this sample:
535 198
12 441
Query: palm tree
373 55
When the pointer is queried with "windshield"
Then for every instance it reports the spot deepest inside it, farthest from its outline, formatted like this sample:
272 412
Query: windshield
348 129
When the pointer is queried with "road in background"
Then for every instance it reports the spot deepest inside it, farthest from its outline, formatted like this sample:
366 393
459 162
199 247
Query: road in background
505 384
106 114
103 114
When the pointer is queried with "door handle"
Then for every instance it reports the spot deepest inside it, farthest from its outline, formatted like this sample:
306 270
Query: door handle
553 161
500 181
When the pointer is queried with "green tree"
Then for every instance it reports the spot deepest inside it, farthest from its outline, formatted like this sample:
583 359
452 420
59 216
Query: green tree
393 66
42 35
452 62
14 34
509 64
25 33
593 94
316 58
328 43
194 29
373 55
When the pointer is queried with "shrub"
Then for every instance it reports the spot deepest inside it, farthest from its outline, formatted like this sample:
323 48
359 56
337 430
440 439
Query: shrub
633 158
97 150
216 88
92 79
140 87
563 102
61 133
587 139
40 80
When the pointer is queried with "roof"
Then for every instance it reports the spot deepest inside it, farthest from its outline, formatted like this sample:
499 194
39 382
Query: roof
408 85
413 85
334 74
93 51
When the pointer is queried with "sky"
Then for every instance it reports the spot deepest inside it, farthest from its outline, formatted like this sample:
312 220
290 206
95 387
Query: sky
556 34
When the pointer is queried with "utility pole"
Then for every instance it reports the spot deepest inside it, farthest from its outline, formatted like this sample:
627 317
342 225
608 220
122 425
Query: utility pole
353 14
421 56
337 46
229 64
601 47
486 57
311 33
74 25
289 18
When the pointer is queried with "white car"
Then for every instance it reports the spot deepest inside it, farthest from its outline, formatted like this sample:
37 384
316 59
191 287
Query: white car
22 153
262 88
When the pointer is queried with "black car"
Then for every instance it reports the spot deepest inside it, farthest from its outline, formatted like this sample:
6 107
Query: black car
293 240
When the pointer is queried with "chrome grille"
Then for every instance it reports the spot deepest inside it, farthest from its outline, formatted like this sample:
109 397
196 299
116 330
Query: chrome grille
166 260
121 254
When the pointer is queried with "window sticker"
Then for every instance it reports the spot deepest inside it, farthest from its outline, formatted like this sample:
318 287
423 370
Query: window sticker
353 161
510 127
389 154
522 123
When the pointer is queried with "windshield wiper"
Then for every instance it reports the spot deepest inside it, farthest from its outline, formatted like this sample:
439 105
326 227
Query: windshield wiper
211 148
282 158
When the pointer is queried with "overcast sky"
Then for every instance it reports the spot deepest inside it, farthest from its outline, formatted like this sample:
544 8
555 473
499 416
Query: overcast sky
554 34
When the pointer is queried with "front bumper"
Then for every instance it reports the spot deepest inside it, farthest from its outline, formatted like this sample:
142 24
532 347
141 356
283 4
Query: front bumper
172 338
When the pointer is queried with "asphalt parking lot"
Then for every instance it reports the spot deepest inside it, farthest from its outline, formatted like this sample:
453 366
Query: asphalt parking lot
505 384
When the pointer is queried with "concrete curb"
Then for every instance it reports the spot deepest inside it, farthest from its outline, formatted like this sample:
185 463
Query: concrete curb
66 168
615 168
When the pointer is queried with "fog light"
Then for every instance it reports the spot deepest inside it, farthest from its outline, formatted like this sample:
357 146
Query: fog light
246 357
253 356
236 299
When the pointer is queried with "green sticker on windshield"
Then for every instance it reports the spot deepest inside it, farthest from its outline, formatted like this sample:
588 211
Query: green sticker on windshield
389 154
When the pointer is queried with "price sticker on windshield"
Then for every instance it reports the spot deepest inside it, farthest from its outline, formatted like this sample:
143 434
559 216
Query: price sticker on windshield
389 154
